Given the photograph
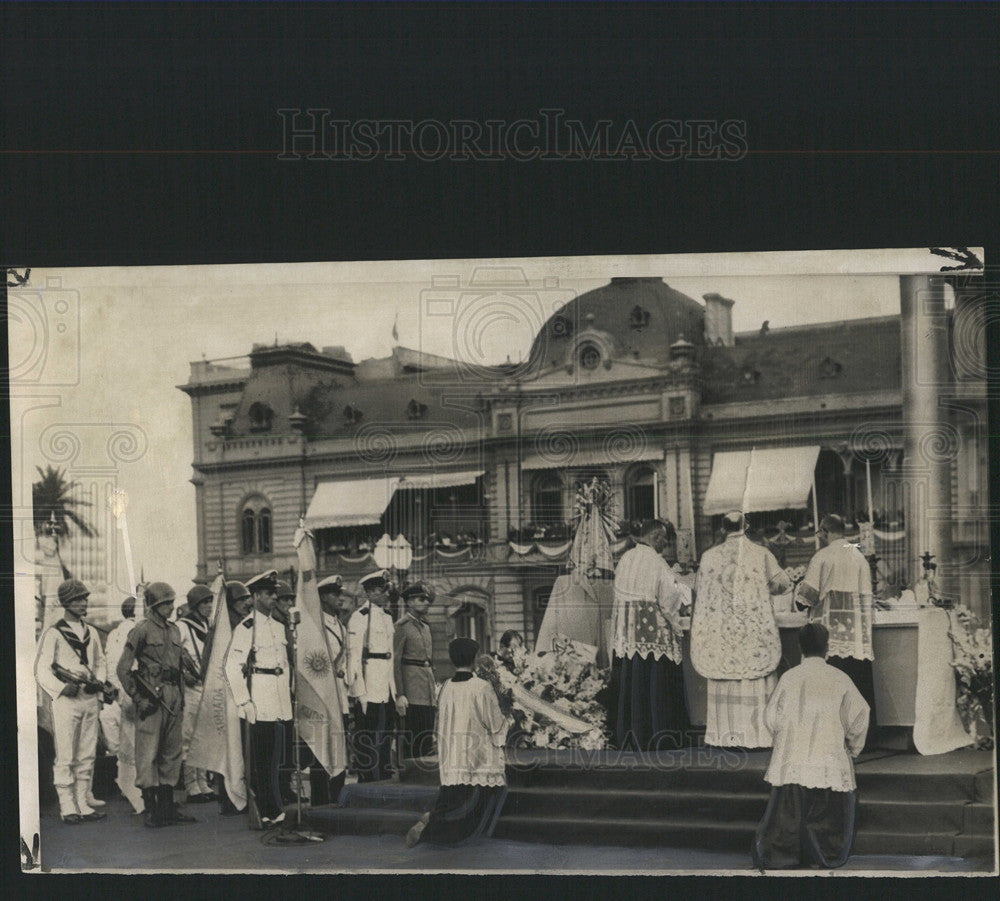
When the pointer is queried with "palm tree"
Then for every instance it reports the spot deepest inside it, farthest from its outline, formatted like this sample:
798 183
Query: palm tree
52 499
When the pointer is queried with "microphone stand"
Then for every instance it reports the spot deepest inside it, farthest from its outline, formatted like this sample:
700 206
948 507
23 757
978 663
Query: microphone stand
297 834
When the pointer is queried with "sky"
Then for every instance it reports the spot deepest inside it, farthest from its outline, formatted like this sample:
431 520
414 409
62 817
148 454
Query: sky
95 375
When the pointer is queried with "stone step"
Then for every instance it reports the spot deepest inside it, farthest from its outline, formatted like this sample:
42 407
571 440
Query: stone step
916 843
985 787
634 804
388 796
698 805
979 818
677 832
674 832
883 815
738 777
970 846
361 821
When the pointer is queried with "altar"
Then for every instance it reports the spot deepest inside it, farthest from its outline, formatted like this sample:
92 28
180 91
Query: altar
894 640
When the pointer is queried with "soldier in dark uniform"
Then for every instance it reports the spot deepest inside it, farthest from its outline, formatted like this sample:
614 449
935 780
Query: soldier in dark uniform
417 691
155 689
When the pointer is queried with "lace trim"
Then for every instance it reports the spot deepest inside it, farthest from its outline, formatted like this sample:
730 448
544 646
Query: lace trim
813 776
630 649
467 778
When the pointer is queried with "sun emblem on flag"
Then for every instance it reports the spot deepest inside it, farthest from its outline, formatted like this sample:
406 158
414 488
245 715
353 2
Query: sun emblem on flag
317 663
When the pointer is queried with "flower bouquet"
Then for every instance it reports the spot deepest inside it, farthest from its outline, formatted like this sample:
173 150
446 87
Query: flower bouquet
557 697
972 661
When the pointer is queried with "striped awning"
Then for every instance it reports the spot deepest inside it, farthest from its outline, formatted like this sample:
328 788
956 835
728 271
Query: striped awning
755 481
359 502
439 479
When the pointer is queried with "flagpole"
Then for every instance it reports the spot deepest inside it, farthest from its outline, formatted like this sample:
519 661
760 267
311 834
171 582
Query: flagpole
118 501
815 514
297 835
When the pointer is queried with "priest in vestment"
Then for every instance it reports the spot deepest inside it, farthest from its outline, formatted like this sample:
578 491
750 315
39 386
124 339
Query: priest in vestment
837 589
735 643
649 710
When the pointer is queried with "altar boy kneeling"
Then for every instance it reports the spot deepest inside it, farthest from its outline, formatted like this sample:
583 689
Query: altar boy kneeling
819 721
471 731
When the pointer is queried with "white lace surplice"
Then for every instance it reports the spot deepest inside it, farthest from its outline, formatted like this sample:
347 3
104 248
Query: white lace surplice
840 577
646 613
471 732
819 721
733 631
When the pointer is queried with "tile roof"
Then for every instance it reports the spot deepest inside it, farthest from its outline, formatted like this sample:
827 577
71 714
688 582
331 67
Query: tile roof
847 357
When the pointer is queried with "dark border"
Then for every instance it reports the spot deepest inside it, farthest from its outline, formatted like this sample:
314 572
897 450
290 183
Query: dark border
867 125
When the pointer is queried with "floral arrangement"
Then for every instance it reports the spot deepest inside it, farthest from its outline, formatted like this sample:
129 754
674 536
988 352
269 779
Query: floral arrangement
486 668
972 661
565 681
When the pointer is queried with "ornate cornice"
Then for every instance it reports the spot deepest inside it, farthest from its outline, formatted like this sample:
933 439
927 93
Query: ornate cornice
686 381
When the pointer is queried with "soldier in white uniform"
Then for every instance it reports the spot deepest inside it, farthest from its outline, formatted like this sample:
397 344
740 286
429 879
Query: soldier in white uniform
259 674
194 626
370 679
74 647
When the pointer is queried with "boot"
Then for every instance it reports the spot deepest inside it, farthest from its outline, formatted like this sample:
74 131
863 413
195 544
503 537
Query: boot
154 813
67 805
172 814
91 800
319 787
87 813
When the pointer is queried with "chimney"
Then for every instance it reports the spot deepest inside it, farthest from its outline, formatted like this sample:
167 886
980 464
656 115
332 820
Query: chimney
718 319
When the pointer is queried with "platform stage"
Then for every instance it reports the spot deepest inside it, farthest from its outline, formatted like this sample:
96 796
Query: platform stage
697 798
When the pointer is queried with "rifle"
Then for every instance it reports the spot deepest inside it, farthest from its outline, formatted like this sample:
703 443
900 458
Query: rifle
89 683
189 669
155 694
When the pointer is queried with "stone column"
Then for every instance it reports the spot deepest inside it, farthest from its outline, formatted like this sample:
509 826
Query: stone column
929 450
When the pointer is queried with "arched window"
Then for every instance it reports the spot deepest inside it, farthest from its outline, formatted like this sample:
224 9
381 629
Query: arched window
264 531
640 494
261 416
255 526
547 500
470 617
248 525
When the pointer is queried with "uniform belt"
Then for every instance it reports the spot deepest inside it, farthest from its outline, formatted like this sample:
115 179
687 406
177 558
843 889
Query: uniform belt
265 671
165 676
367 655
414 661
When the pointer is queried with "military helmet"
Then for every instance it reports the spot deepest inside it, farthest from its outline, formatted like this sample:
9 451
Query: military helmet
71 590
158 593
236 591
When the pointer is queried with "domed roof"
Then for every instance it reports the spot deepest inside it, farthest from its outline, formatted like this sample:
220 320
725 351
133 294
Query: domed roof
644 316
